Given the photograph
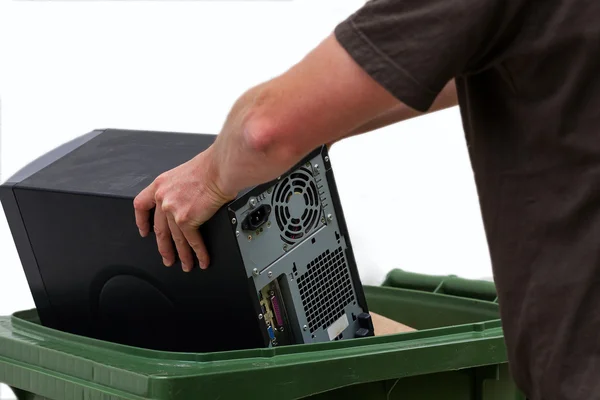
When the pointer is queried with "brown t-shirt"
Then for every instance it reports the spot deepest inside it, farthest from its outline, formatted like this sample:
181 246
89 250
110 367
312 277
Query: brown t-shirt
528 80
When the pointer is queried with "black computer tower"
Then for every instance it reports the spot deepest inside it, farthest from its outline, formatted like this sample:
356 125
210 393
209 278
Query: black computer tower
282 268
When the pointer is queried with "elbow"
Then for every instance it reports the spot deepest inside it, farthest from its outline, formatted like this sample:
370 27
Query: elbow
260 134
267 136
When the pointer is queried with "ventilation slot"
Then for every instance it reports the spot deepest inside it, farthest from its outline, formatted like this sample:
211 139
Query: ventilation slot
325 289
297 206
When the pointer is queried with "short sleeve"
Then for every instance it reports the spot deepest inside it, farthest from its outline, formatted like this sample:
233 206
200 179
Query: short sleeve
414 47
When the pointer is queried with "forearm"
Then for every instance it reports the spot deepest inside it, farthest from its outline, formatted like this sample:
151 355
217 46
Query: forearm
272 126
322 99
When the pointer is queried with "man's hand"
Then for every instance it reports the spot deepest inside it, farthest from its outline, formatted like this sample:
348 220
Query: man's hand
183 198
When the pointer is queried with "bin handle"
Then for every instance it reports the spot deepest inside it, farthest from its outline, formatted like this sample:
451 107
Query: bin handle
449 285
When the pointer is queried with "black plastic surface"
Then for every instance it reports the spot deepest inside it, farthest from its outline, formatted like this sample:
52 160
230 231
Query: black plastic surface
365 321
363 332
17 226
118 163
92 274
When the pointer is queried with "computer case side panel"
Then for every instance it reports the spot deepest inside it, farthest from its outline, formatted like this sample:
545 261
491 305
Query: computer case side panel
337 205
107 282
26 253
17 227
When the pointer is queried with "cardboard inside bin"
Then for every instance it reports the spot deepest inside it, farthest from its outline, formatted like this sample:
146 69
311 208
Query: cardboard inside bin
386 326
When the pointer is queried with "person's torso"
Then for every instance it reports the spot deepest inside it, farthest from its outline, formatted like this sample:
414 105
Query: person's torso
532 123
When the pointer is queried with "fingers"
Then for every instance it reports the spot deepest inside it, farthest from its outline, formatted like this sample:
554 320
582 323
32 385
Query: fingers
143 203
194 238
178 214
183 248
163 237
168 232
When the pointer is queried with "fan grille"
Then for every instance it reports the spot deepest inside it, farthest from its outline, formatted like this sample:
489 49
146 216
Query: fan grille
296 204
325 289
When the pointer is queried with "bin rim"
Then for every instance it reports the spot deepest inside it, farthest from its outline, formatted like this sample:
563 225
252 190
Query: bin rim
135 373
26 321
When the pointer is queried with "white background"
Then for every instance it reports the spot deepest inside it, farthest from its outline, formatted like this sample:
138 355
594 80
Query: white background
67 68
70 67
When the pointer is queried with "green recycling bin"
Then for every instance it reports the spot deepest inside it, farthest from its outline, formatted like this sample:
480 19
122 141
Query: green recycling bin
457 353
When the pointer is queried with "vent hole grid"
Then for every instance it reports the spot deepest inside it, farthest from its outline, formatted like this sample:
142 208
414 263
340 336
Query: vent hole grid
295 227
326 289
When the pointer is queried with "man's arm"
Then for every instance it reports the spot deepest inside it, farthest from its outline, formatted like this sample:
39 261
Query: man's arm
270 128
446 99
321 99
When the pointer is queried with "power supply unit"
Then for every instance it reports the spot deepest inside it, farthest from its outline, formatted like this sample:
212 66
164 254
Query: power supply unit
282 267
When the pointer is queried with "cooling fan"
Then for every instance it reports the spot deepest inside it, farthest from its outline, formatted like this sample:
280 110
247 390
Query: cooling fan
297 205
